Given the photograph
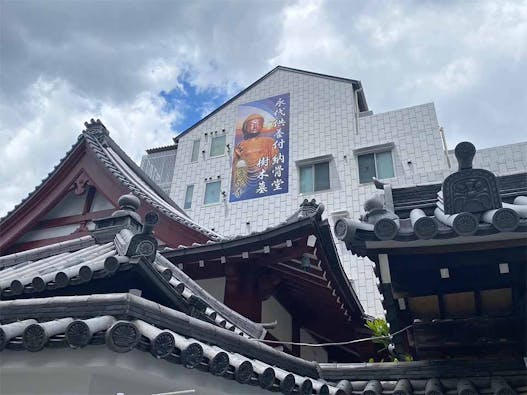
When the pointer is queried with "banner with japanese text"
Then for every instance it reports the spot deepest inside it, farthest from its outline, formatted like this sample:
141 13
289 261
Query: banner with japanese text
261 149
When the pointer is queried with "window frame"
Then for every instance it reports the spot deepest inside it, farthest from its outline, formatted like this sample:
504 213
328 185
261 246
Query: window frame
191 197
192 160
375 153
224 145
312 163
205 193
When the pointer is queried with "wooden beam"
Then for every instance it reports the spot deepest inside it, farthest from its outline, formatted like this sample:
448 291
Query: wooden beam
40 243
299 275
212 252
241 291
89 199
73 219
454 247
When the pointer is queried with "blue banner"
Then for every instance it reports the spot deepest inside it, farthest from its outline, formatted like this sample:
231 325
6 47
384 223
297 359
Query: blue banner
260 163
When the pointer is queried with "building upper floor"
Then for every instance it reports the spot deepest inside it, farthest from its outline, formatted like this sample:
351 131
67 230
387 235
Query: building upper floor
316 137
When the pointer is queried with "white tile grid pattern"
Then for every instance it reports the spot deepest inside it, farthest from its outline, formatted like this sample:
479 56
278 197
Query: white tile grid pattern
502 160
322 122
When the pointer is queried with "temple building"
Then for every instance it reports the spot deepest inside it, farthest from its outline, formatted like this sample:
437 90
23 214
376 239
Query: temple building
83 265
64 301
295 135
86 185
223 264
452 263
101 293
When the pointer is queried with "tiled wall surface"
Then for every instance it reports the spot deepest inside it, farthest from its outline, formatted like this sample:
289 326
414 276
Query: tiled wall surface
159 166
322 122
502 160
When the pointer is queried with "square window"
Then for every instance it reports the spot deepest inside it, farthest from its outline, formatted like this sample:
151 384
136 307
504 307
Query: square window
188 197
314 177
212 192
217 146
195 151
384 163
504 268
378 164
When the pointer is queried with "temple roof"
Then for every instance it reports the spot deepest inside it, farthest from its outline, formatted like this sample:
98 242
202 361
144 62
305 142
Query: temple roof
41 306
126 321
82 164
470 206
424 197
307 230
357 86
87 259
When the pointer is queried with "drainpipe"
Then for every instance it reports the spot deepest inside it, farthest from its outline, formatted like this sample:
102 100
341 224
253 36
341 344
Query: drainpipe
445 149
357 110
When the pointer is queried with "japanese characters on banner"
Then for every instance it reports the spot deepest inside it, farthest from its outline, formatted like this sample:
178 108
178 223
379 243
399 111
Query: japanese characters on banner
261 149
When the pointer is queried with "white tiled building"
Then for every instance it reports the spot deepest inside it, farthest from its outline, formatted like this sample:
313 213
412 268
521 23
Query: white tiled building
330 127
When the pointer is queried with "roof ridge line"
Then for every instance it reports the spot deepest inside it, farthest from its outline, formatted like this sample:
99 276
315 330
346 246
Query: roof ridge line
252 85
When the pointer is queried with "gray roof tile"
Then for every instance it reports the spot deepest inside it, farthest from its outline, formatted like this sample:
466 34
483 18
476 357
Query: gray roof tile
244 360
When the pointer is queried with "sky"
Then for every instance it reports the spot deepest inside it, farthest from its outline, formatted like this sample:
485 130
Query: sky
149 70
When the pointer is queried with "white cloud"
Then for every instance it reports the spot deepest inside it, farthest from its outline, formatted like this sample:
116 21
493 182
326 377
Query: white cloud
310 41
48 119
502 30
393 26
160 73
457 75
66 62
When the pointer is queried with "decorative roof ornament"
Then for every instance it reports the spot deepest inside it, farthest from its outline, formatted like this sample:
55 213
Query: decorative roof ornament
469 190
96 129
310 209
385 222
128 205
125 217
144 244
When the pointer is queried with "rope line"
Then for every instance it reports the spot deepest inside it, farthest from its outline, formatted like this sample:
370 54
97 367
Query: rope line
335 343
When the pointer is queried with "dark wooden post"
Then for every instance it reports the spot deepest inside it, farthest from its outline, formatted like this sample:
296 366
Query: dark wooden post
295 349
241 290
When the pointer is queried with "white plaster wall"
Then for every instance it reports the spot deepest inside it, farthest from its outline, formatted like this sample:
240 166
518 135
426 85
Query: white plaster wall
311 353
322 122
272 310
214 286
48 233
100 203
71 204
95 370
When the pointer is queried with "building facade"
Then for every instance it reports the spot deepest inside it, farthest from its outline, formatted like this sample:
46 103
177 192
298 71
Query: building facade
334 146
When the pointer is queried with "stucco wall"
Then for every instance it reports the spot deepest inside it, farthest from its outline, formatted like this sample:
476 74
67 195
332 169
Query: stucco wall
272 310
95 370
215 286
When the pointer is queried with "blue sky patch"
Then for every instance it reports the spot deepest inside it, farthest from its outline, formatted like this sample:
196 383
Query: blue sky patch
194 103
